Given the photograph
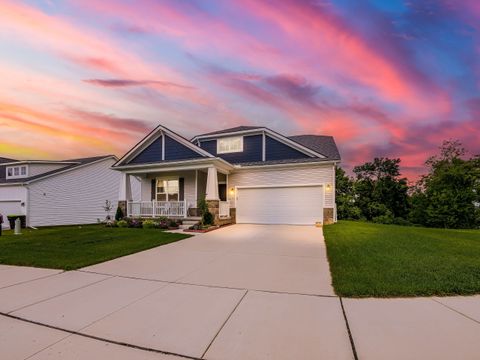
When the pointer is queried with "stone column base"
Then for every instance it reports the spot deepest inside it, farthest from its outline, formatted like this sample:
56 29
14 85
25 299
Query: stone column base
328 216
122 204
213 208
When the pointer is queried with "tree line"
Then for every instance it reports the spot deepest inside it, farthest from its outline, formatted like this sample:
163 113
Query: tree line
447 196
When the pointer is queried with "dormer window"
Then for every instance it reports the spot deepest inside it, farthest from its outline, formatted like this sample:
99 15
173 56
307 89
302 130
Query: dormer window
16 171
230 145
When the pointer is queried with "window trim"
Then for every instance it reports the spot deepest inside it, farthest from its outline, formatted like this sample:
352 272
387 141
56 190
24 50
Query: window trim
158 179
230 151
16 171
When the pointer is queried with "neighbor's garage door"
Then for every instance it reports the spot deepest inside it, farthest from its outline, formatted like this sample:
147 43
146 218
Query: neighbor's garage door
299 205
9 208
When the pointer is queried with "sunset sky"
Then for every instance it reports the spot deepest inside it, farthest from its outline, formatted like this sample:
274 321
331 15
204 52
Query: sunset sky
385 78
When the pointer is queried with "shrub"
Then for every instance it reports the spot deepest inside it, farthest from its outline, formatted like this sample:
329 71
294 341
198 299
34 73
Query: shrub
149 224
401 221
135 223
122 224
383 219
172 224
119 214
207 218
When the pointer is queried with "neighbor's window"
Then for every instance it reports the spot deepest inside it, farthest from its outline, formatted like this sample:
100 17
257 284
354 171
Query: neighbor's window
230 144
16 171
23 170
167 190
10 171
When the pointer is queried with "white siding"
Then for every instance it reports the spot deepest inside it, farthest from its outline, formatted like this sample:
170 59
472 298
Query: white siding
314 174
36 169
189 183
11 199
74 197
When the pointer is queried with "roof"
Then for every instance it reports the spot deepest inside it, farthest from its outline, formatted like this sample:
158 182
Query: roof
77 163
6 160
234 129
322 144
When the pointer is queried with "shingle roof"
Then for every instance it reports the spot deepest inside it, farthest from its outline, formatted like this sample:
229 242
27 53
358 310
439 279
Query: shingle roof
234 129
79 162
6 160
322 144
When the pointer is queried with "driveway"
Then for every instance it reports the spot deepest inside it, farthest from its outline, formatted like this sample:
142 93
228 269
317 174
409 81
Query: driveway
241 292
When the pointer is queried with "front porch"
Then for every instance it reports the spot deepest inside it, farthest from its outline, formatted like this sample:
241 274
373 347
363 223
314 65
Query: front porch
174 191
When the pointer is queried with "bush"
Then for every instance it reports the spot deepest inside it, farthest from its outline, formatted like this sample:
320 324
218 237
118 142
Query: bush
207 218
135 223
119 214
149 224
172 224
383 219
122 224
401 221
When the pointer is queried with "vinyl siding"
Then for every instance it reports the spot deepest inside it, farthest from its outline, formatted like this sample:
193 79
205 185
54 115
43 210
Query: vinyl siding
176 151
252 150
189 185
11 197
74 197
37 169
152 153
315 174
275 150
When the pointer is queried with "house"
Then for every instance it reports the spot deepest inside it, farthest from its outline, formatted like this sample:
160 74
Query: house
58 192
247 174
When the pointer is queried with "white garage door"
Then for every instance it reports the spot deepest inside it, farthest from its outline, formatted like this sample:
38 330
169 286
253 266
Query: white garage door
299 205
9 208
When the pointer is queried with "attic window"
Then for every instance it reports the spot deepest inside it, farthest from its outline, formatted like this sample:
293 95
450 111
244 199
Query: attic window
16 171
230 145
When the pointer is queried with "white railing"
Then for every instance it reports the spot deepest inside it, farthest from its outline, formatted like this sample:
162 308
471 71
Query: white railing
224 209
157 208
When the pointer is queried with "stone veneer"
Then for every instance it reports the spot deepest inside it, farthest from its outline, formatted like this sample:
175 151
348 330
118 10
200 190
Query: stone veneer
328 216
122 204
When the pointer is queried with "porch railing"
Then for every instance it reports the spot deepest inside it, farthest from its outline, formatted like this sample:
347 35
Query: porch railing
157 208
224 209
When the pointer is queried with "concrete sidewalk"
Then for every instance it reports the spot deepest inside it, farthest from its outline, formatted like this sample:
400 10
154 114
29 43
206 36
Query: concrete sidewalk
242 292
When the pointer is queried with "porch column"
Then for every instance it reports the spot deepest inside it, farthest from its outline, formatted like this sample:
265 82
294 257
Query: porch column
125 193
211 195
212 185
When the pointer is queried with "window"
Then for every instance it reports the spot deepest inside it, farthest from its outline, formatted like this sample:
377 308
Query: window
167 190
9 171
16 171
230 145
23 170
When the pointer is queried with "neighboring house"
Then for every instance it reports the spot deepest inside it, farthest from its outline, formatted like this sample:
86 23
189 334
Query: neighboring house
247 174
58 192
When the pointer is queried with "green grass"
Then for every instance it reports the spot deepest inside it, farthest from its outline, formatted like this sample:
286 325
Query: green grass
387 261
73 247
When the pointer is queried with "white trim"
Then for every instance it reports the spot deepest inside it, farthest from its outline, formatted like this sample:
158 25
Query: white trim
154 135
285 165
264 146
192 164
196 187
230 151
163 146
278 186
272 134
20 162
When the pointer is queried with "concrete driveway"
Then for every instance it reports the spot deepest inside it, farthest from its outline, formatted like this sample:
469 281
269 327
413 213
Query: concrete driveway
241 292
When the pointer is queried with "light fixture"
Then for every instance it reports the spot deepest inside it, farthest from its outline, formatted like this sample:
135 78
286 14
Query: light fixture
329 187
232 191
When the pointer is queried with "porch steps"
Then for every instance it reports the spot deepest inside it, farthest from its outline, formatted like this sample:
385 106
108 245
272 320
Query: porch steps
190 221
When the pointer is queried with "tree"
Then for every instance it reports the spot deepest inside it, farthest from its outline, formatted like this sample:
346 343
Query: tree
449 195
380 191
345 196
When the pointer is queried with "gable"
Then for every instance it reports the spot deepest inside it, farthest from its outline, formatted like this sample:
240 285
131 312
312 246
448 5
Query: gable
275 150
252 150
152 153
173 151
176 151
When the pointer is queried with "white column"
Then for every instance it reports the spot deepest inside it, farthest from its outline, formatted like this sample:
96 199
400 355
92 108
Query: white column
212 184
125 193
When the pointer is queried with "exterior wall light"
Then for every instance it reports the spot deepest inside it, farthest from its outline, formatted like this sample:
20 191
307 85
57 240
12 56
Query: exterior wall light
329 187
232 191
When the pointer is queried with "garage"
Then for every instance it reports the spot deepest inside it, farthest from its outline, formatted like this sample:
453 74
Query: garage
295 205
9 207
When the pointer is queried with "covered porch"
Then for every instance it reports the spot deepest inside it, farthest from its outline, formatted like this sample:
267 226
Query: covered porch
173 190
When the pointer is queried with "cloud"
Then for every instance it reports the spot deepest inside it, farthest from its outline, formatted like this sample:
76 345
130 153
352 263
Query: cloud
127 83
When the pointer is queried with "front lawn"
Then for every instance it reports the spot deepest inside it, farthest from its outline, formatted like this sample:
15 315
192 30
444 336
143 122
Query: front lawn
73 247
386 260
